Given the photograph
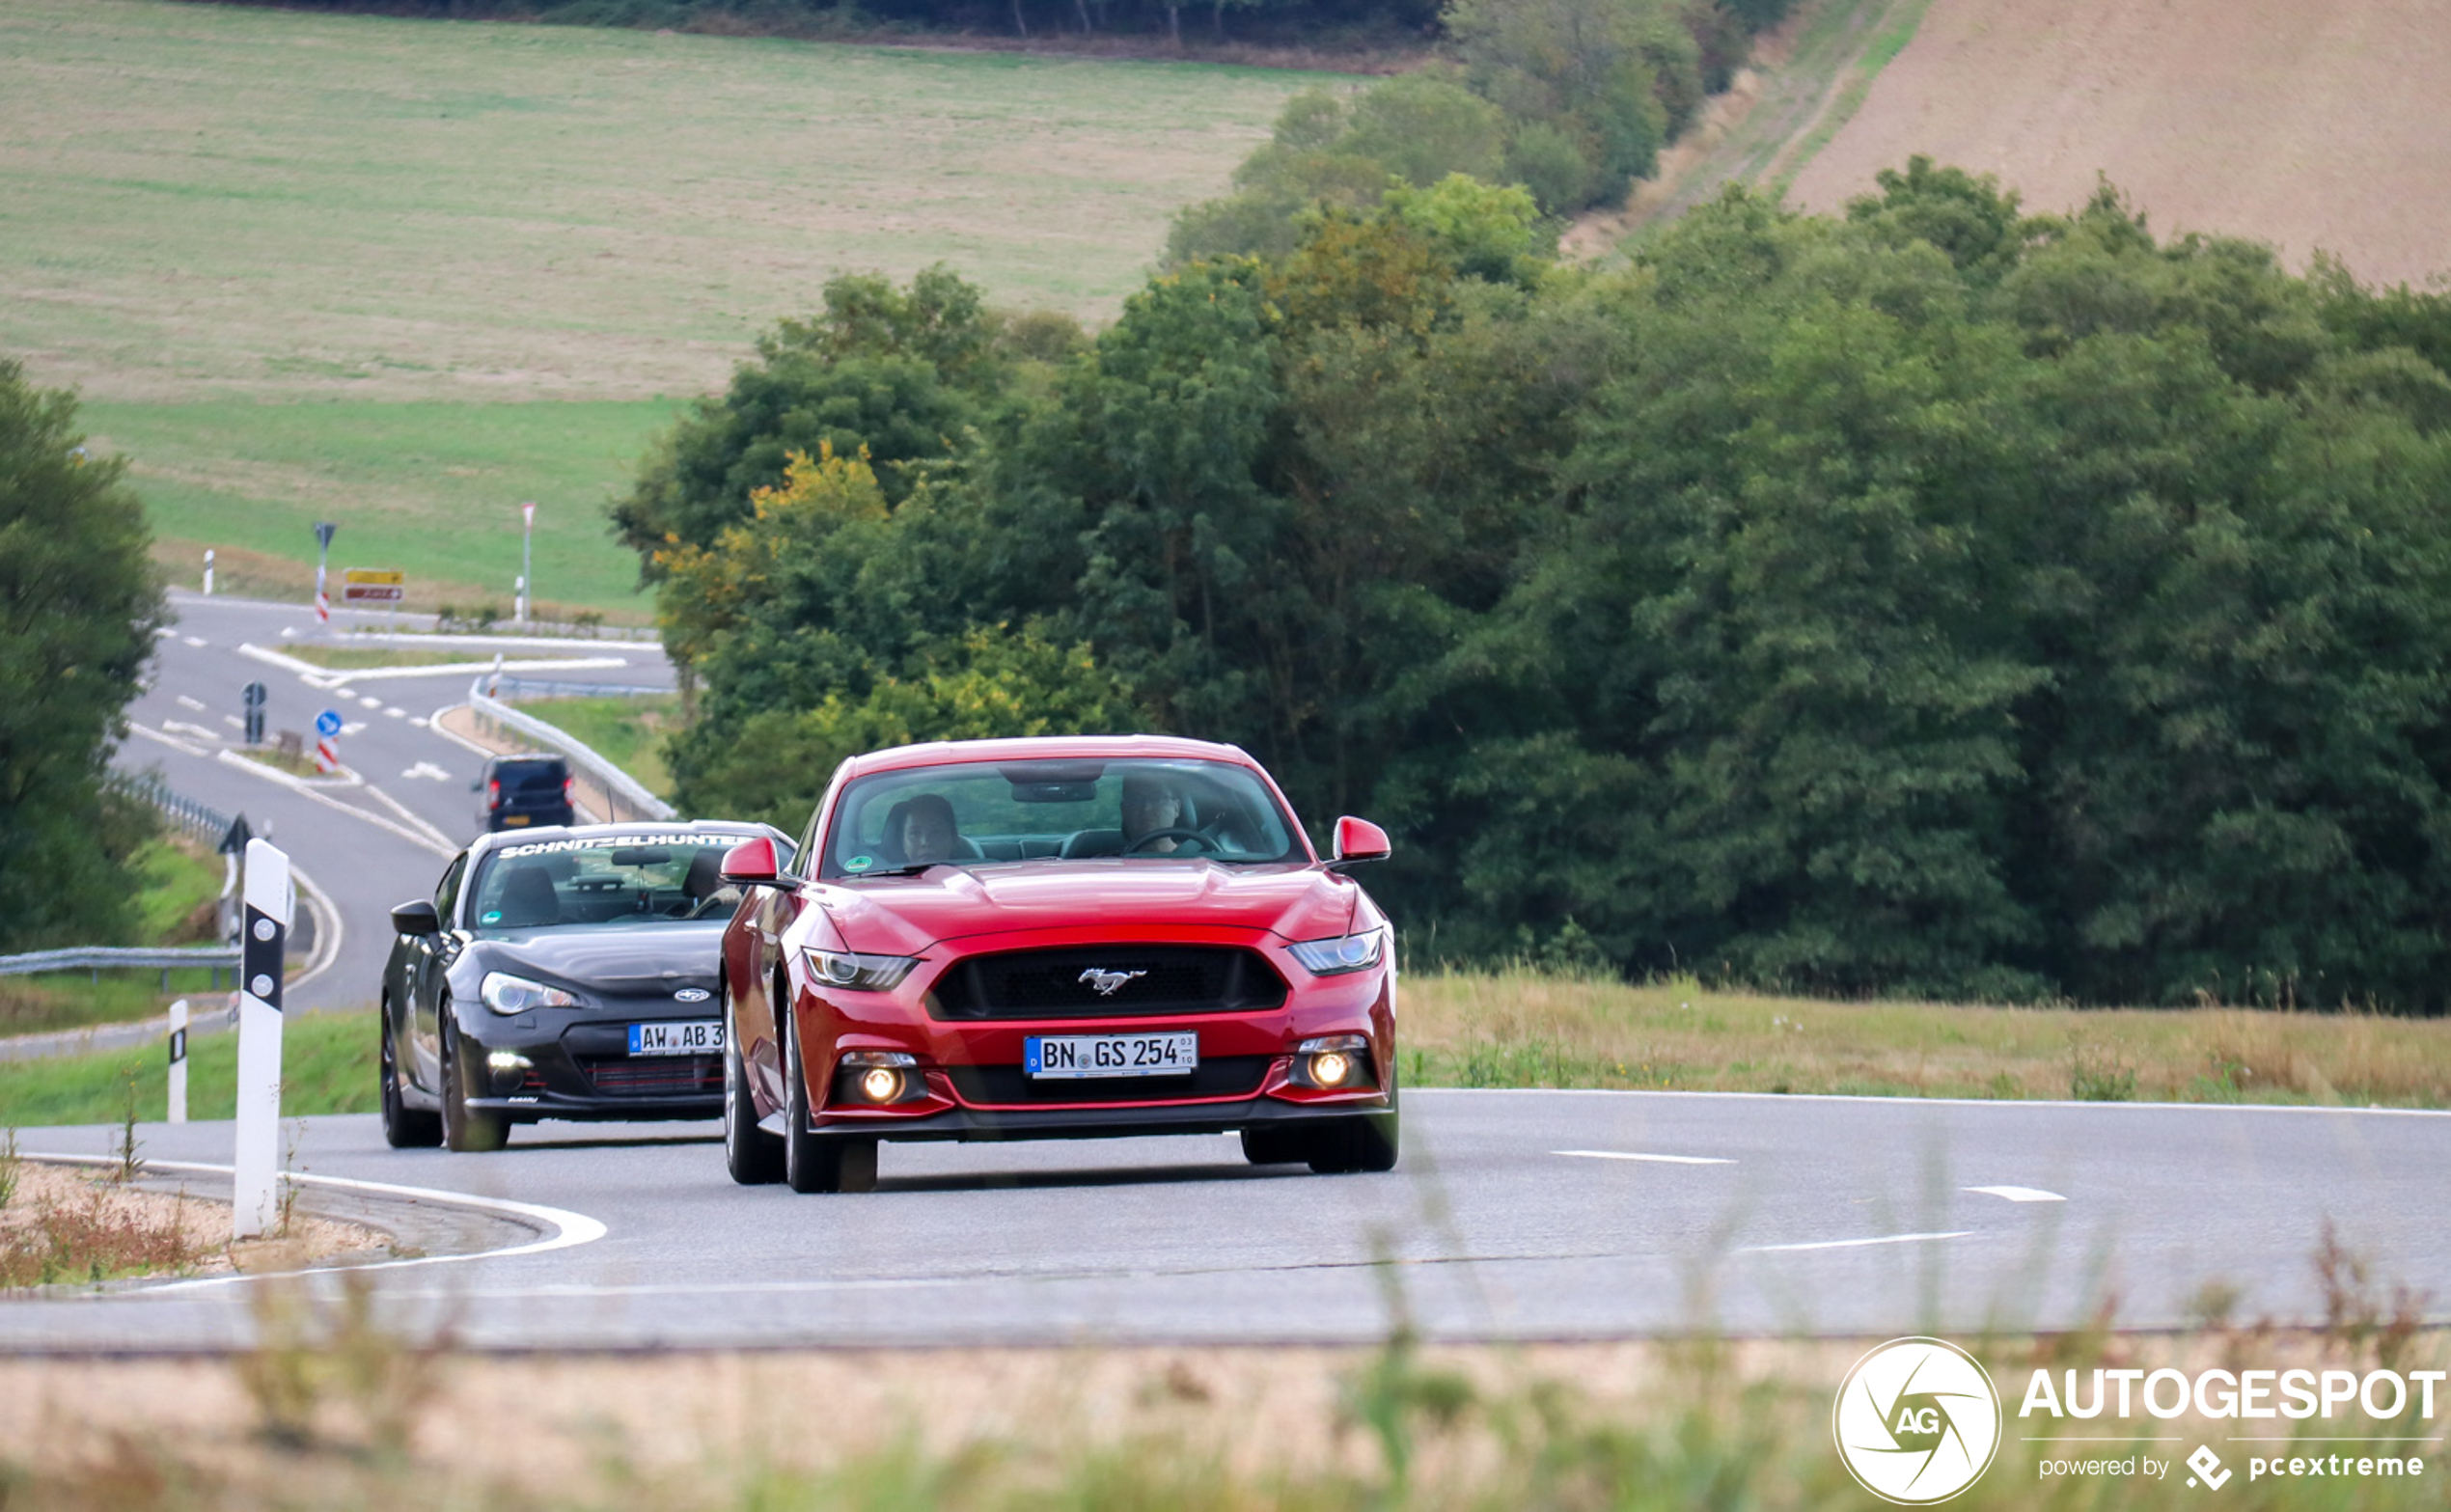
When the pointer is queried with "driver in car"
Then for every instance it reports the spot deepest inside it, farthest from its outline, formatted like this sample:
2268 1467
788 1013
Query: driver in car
929 831
1151 807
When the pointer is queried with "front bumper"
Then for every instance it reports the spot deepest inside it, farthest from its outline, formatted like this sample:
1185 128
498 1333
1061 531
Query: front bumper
579 1067
1093 1121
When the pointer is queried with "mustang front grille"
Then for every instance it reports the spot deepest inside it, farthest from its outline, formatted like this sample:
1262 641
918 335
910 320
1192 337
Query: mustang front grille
1106 982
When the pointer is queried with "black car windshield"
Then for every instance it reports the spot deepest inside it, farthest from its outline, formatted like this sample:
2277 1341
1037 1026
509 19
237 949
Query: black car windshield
985 812
604 879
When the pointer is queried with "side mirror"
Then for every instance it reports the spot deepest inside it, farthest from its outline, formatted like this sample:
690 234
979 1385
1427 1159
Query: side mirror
752 864
417 919
1357 840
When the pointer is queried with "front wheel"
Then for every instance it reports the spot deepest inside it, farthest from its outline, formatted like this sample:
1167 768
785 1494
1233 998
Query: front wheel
752 1156
404 1128
466 1129
809 1163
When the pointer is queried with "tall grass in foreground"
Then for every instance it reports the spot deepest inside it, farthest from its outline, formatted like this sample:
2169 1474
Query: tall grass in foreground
336 1407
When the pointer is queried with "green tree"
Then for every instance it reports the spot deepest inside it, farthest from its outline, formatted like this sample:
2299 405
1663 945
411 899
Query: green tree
80 603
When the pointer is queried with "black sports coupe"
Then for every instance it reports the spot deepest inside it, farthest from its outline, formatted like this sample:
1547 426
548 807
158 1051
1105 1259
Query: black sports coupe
563 973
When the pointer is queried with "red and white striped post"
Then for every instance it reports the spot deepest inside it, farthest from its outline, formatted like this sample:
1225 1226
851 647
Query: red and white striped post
322 558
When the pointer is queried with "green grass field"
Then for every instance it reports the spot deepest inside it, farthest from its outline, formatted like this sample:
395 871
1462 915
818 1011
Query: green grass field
327 1065
628 732
175 882
402 275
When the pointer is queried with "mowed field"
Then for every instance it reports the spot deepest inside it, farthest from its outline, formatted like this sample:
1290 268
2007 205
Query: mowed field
405 274
2312 127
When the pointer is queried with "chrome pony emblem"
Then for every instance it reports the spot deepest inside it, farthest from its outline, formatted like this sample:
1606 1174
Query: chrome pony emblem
1104 982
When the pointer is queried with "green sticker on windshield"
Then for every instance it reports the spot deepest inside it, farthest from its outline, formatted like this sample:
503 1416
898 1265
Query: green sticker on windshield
859 863
493 915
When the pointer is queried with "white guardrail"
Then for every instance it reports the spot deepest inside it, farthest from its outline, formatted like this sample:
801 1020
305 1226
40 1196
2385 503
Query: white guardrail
620 787
112 957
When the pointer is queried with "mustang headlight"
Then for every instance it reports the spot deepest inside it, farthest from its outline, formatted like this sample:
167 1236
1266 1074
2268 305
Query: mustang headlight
1353 952
506 994
851 971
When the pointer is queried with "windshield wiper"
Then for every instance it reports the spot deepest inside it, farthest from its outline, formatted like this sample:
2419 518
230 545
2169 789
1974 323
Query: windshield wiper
911 870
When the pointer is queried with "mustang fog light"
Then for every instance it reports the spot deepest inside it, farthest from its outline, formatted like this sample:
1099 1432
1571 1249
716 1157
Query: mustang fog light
1333 1060
878 1076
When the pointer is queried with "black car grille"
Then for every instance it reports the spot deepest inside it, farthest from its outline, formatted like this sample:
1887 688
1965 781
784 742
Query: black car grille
1225 1076
654 1075
1159 978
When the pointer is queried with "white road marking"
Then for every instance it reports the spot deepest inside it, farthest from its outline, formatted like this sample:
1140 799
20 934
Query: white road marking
570 1229
193 640
310 790
351 726
1852 1243
430 770
1664 1160
406 816
185 728
418 722
172 741
475 669
164 632
369 703
186 703
396 712
233 722
2020 1193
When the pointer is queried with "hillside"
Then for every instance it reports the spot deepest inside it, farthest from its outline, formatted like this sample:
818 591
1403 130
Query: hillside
2311 126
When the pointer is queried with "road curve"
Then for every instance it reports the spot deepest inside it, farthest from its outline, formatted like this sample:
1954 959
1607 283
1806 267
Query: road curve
1517 1215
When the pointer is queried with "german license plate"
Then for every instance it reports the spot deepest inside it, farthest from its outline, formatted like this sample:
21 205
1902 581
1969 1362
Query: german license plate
678 1037
1058 1057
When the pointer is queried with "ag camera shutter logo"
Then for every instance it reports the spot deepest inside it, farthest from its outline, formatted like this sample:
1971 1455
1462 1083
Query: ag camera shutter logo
1917 1421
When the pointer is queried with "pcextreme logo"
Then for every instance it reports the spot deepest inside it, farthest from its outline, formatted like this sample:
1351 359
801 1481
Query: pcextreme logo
1918 1421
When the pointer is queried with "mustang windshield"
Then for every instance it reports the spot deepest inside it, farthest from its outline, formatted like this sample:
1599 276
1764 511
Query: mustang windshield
986 811
604 879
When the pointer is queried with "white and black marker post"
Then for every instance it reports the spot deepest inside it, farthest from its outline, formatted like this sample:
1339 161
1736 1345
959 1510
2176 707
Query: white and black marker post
179 1061
255 1199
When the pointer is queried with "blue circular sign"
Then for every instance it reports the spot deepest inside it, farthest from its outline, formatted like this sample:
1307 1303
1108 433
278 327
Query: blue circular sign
327 723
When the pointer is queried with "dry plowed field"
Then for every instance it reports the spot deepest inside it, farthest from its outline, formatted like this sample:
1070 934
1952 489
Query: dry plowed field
2314 124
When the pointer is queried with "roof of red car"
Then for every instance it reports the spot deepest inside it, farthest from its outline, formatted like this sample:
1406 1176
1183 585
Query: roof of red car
1042 747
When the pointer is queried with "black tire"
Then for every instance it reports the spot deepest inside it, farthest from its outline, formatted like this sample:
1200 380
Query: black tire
1275 1145
809 1163
404 1128
468 1129
1370 1142
752 1156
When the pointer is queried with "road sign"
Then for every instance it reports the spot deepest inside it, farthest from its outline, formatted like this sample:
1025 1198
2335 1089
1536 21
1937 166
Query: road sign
327 723
252 696
234 843
372 593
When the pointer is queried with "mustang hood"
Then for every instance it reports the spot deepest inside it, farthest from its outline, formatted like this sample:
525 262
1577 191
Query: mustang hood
614 959
907 915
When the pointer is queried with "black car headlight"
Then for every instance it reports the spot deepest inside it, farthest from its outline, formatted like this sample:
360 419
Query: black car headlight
506 994
1352 952
851 971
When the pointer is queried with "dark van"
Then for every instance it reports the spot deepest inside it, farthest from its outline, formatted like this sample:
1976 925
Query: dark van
525 791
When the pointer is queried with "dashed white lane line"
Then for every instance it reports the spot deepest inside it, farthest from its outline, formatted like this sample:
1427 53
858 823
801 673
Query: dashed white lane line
233 722
434 773
350 727
2020 1193
369 703
418 722
187 746
569 1229
192 640
407 816
1664 1160
396 712
185 728
1852 1243
195 706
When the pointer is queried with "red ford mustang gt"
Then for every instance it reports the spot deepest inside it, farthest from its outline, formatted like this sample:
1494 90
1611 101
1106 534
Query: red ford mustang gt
1060 939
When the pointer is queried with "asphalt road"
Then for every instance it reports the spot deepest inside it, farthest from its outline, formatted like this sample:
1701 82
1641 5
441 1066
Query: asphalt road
1515 1215
381 836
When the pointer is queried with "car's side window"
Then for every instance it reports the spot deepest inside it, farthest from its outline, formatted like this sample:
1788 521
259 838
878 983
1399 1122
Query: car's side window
446 891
